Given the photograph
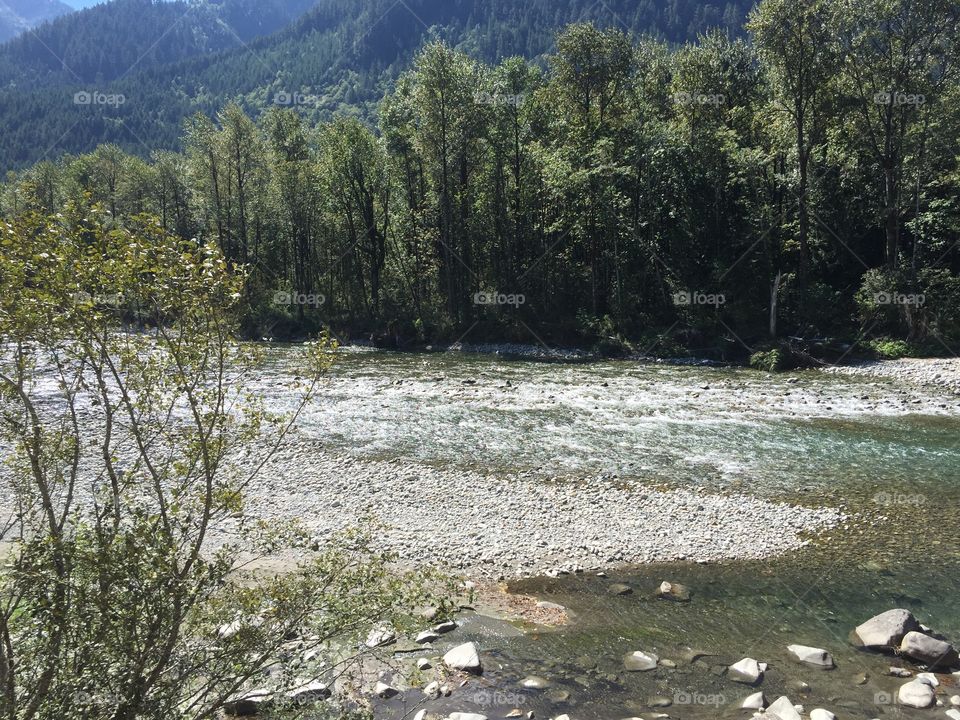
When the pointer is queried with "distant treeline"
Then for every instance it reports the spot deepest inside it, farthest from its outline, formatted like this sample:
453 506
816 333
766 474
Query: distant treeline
804 182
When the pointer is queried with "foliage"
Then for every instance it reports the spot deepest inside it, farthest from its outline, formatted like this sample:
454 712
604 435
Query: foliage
125 406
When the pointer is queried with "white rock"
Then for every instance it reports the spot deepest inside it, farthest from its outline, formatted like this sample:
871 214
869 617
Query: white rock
427 636
464 657
953 714
465 716
928 678
754 702
811 656
424 664
955 700
746 671
928 650
821 714
885 630
382 690
432 690
783 709
917 694
639 661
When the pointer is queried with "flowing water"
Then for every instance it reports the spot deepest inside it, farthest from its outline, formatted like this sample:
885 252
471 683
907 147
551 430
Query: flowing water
887 451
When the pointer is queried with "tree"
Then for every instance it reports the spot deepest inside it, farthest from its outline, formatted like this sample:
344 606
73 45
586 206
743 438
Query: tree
116 603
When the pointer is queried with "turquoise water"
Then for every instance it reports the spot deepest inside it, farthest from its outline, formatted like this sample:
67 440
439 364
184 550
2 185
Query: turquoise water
888 453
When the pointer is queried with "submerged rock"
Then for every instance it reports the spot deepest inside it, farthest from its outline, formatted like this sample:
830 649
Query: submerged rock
535 682
884 631
673 591
620 589
639 661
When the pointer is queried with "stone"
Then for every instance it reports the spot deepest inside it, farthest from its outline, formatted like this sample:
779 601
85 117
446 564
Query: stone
953 714
424 664
249 704
427 636
383 690
955 700
783 709
861 678
928 678
620 589
546 605
432 690
884 631
811 656
640 661
673 591
311 692
379 637
515 713
917 694
754 702
928 650
900 672
821 714
746 671
464 657
445 627
466 716
558 696
535 682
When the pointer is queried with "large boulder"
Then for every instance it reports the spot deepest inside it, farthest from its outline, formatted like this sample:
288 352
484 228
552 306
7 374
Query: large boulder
811 656
464 657
928 650
917 694
884 631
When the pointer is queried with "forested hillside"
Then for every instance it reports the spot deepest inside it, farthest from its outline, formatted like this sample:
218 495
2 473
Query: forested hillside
16 16
169 60
715 197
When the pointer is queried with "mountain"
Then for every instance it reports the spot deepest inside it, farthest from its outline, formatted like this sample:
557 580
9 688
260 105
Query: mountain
133 70
19 15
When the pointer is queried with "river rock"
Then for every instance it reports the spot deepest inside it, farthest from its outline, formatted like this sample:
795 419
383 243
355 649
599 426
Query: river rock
379 637
427 636
249 704
673 591
783 709
466 716
432 690
464 657
953 714
917 694
754 702
928 678
620 589
928 650
746 671
884 631
424 664
383 690
311 692
534 682
900 672
821 714
639 661
811 656
445 627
